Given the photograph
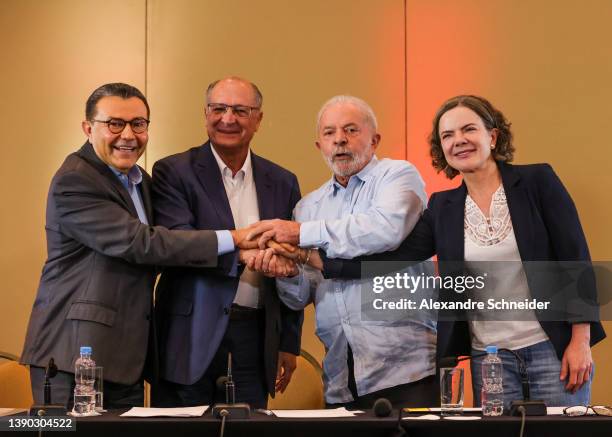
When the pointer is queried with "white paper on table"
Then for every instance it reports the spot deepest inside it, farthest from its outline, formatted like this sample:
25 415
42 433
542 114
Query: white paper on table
297 414
465 409
462 417
423 417
166 412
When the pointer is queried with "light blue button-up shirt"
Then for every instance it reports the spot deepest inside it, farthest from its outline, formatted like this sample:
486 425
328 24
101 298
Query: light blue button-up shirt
373 214
130 181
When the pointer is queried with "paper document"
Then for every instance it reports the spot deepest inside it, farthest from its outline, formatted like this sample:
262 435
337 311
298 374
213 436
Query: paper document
423 417
296 414
437 410
166 412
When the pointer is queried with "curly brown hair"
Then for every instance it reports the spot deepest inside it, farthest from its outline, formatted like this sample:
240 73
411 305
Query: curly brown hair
492 119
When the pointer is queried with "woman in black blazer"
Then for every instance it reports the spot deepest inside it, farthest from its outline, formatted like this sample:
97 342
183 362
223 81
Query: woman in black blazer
502 212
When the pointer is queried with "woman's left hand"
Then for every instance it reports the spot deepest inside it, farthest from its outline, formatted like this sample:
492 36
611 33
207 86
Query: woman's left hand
577 360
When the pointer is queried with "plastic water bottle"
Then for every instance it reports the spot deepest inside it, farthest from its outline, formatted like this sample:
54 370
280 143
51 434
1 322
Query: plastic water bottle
84 392
492 394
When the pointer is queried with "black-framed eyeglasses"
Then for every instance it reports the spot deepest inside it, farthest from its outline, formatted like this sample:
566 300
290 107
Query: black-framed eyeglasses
116 125
583 410
218 109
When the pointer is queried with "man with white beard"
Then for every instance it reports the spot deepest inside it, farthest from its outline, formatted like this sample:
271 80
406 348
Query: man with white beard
368 206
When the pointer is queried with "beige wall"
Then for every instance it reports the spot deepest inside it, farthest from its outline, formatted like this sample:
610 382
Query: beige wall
53 55
546 65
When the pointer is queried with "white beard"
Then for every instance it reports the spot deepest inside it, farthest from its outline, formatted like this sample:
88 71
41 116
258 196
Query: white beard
348 168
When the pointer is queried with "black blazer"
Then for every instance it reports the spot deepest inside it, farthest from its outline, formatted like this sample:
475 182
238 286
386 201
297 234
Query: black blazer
192 306
546 226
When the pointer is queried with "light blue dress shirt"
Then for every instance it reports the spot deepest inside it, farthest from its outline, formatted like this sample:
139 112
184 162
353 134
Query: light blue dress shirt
373 214
131 180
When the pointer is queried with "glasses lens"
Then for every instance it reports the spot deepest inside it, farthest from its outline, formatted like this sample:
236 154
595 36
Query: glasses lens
578 410
241 111
217 109
603 410
116 125
139 125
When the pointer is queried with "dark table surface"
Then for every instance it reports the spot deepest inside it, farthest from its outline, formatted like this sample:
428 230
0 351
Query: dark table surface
111 425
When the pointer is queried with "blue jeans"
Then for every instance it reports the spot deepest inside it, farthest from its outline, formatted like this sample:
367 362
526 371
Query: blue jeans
543 368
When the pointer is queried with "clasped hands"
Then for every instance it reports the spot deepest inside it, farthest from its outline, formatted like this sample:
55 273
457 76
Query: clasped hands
271 247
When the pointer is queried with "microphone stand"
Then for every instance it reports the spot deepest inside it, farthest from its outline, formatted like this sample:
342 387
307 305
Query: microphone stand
47 408
230 409
526 406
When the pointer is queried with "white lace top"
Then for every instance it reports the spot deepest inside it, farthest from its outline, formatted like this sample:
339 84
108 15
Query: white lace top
492 239
485 231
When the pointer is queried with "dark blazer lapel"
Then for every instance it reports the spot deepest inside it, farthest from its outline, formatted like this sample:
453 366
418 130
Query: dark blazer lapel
264 187
520 212
145 191
452 220
208 173
88 154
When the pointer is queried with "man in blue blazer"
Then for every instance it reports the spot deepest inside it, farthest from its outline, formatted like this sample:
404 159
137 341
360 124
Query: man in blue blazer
203 316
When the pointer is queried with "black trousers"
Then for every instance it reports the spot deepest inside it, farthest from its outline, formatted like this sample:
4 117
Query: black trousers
62 391
422 393
244 338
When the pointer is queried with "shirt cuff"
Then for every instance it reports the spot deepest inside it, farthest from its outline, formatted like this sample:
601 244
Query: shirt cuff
310 234
225 242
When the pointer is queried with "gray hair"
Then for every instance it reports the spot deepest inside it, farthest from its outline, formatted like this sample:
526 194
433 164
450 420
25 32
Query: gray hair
258 95
361 104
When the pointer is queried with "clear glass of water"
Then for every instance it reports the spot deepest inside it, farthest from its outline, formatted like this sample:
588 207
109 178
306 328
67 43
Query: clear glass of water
451 391
83 403
99 388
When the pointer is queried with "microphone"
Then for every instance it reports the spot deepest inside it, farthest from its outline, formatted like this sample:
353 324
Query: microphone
382 407
220 383
47 408
231 409
50 372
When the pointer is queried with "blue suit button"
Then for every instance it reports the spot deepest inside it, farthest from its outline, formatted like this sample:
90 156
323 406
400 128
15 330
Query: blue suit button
226 310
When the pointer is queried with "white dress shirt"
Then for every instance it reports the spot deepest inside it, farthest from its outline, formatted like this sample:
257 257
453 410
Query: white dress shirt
242 196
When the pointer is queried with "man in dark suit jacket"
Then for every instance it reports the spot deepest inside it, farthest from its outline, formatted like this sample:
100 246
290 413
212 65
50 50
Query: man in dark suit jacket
204 315
97 284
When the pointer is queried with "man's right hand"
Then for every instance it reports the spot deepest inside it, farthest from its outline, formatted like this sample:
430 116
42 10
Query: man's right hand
281 231
240 239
